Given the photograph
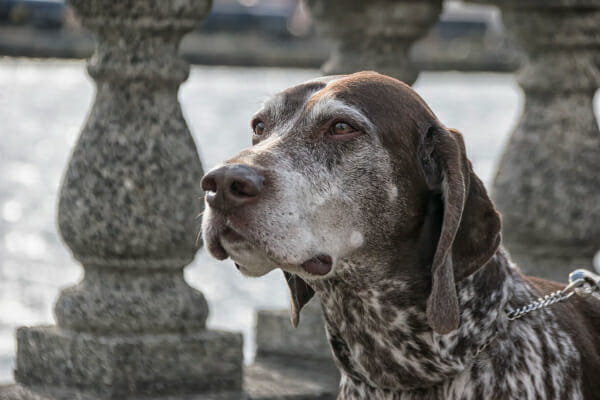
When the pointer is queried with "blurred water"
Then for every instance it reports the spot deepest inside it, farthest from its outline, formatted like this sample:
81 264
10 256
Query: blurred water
43 105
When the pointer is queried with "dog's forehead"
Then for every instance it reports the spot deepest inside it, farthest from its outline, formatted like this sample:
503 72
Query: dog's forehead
372 92
297 96
368 91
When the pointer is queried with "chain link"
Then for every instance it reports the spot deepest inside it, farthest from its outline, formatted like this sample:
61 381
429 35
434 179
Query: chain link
581 282
548 300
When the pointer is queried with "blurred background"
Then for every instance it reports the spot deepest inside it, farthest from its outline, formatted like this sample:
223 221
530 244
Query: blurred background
244 51
277 33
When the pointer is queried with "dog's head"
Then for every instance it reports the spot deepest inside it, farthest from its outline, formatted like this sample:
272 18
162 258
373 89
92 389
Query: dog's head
345 174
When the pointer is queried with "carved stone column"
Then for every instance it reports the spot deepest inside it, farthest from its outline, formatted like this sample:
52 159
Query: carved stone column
374 35
128 210
548 181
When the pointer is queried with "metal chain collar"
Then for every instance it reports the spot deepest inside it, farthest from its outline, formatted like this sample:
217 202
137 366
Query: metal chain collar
581 281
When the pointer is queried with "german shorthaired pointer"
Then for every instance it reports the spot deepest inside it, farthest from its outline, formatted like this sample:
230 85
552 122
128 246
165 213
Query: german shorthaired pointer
359 193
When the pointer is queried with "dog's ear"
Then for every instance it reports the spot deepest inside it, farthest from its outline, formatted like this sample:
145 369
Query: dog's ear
470 232
300 294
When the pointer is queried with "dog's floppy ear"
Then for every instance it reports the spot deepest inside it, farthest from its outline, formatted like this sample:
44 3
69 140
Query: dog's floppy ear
470 232
300 294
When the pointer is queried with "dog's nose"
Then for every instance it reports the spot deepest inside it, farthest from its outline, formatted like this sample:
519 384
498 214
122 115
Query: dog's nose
232 186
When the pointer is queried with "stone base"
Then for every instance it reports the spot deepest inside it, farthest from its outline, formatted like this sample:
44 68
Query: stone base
18 392
119 367
270 378
275 334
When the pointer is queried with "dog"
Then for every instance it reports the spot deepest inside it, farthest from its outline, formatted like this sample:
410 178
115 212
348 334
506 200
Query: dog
359 193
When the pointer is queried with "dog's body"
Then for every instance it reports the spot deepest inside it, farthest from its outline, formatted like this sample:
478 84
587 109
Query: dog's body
358 192
380 338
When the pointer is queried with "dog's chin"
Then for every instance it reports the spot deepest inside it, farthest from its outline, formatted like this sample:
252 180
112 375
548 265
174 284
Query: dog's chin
252 272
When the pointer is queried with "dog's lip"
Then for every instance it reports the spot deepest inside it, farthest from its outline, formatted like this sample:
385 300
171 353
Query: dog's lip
216 248
221 232
231 235
318 265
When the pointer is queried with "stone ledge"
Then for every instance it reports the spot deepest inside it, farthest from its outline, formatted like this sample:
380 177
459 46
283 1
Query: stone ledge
116 367
285 378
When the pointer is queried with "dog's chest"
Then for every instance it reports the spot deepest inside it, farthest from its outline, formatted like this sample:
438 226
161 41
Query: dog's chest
389 353
383 344
519 366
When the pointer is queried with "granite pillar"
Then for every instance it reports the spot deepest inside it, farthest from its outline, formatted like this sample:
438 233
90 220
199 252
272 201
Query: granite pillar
128 210
374 35
548 181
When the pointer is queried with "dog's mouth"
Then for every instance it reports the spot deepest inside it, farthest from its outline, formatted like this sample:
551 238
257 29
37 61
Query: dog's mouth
319 265
224 241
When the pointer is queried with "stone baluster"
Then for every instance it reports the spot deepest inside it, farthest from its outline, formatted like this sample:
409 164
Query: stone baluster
129 210
374 35
548 182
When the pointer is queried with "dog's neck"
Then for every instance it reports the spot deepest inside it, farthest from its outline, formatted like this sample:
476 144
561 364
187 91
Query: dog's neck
380 338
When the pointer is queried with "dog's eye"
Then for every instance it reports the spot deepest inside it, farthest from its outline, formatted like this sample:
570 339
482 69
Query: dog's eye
342 128
259 128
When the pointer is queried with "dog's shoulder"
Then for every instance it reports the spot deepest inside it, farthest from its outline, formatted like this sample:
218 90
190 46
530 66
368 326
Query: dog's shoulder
580 318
